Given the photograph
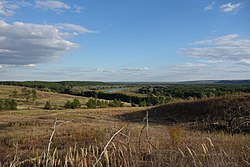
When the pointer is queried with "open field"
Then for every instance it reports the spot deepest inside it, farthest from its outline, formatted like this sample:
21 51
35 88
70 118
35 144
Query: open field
80 136
56 99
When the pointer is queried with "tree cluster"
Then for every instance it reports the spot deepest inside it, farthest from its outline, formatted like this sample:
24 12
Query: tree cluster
181 91
72 104
96 103
27 94
149 101
8 104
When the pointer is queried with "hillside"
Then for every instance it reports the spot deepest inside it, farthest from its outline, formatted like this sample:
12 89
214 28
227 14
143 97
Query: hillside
222 110
56 99
79 135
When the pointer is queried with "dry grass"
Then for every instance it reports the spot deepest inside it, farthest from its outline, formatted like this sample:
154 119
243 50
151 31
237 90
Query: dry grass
81 141
56 99
25 134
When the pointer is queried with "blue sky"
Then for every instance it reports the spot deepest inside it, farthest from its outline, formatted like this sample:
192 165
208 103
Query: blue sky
124 40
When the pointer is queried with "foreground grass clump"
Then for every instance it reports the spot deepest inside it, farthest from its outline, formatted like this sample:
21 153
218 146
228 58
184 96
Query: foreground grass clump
124 150
86 138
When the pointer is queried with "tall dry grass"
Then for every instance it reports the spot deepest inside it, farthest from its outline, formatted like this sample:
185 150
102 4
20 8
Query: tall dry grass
132 148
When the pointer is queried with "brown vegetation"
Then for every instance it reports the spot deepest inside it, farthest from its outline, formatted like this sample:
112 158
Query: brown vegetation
229 113
84 137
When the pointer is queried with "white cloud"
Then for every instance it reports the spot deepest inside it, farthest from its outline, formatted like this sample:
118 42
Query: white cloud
30 65
24 3
78 9
212 61
105 70
135 69
209 6
229 47
54 5
26 43
245 62
230 7
190 65
7 8
75 28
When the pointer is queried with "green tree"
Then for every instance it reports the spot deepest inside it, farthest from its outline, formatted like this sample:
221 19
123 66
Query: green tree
26 94
8 104
92 103
75 104
143 103
1 104
47 105
33 95
68 104
116 103
13 104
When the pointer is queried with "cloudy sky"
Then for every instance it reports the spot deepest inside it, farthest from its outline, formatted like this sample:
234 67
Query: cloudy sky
125 40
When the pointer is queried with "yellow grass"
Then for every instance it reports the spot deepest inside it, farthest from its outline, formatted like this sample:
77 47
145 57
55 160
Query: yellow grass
80 140
56 99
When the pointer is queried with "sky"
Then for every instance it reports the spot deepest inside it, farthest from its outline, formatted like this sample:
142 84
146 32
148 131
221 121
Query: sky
124 40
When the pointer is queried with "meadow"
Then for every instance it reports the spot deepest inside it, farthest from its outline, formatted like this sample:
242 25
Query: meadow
168 135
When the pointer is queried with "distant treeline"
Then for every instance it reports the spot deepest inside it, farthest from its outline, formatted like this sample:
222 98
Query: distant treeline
150 100
157 94
61 86
68 87
183 91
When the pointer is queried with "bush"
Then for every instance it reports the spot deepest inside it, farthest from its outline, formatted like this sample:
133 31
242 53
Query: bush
75 104
48 106
72 105
116 103
8 104
143 103
92 103
67 104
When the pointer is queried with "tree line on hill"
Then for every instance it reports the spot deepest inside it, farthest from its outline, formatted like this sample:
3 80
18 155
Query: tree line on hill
156 94
96 103
60 87
11 103
92 103
180 91
150 100
68 87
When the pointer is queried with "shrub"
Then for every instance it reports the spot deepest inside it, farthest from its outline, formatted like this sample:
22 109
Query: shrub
143 103
75 104
72 105
67 104
47 105
116 103
92 103
8 104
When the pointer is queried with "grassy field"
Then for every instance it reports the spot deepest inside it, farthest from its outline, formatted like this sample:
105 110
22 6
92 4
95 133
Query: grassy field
56 99
80 136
